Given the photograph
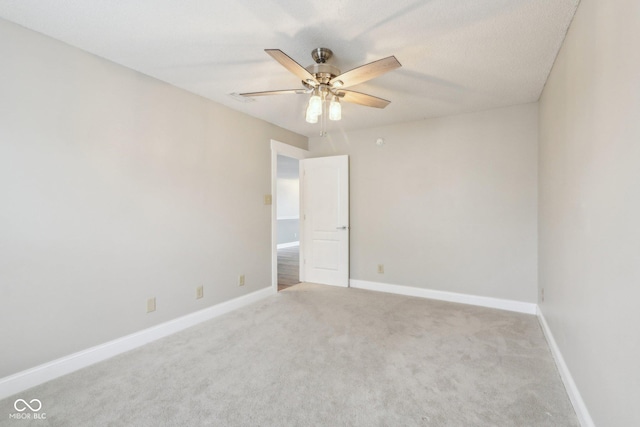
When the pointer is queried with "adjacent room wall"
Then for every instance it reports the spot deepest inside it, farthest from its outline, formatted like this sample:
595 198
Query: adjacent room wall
448 204
114 188
590 207
288 200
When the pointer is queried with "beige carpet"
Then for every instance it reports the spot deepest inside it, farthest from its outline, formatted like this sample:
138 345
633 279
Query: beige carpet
322 356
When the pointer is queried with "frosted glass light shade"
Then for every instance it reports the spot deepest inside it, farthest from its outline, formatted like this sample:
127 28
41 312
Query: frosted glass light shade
315 105
310 117
335 109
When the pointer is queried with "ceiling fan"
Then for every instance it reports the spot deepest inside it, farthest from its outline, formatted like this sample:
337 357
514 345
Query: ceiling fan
326 83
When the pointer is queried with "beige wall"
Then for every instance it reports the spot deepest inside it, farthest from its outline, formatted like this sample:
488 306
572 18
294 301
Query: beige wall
447 204
115 187
590 207
288 187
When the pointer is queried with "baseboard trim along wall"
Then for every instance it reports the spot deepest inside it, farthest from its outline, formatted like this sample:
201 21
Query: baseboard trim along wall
65 365
502 304
572 390
287 245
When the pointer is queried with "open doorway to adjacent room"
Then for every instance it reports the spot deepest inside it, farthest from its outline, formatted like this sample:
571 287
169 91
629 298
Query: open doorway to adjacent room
288 221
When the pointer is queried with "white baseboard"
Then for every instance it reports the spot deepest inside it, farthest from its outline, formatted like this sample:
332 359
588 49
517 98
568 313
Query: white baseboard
48 371
287 245
569 384
502 304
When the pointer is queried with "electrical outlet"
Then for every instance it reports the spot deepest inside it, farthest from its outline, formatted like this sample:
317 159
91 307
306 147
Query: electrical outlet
380 268
542 295
199 292
151 305
241 280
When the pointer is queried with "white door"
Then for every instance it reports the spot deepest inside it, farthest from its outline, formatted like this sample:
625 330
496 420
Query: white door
325 220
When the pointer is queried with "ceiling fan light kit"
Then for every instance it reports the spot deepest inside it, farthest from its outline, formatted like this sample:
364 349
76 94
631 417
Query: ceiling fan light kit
325 82
335 109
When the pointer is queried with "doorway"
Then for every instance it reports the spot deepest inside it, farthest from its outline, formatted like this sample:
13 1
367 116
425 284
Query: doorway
288 221
321 223
286 234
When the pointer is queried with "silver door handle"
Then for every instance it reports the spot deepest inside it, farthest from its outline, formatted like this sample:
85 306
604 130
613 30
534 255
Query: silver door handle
344 227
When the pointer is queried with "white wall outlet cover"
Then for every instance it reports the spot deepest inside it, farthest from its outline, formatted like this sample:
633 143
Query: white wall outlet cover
380 142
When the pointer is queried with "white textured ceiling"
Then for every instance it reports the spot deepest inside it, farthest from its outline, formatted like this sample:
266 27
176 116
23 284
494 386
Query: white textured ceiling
457 55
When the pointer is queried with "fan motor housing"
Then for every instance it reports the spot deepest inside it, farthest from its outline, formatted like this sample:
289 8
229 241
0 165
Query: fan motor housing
323 72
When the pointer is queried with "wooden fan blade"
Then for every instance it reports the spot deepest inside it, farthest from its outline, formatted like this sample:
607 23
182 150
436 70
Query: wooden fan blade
275 92
363 99
291 65
366 72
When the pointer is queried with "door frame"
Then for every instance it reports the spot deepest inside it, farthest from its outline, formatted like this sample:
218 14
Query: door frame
280 148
